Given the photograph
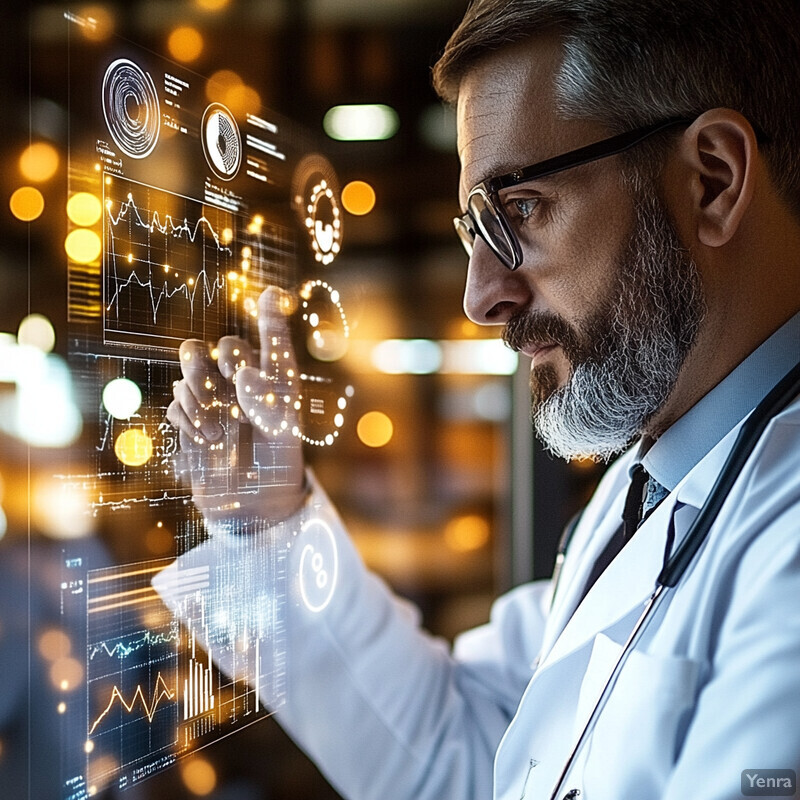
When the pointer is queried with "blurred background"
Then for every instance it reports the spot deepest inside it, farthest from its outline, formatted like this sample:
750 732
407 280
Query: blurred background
446 492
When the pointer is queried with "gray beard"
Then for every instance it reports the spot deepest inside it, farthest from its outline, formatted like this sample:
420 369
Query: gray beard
641 339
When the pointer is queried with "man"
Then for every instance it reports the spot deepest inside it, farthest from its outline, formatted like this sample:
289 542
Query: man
654 280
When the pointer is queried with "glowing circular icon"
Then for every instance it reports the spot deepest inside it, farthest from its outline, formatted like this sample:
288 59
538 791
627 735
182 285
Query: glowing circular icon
315 200
323 223
131 108
222 142
319 565
321 405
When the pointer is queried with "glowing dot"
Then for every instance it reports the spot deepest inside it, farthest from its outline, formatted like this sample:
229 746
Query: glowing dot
199 776
284 425
375 429
349 391
226 236
26 204
83 245
108 180
358 197
338 420
236 352
233 276
39 162
134 447
215 353
37 331
187 356
101 23
342 403
190 281
270 398
88 746
122 398
185 44
466 533
84 208
313 320
61 707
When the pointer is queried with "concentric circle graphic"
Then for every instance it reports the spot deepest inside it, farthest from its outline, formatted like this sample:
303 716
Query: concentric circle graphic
222 142
131 108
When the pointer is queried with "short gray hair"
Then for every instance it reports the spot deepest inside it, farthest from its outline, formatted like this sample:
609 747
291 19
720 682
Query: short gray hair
631 62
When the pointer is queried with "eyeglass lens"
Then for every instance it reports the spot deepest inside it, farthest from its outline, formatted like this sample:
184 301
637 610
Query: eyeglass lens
486 217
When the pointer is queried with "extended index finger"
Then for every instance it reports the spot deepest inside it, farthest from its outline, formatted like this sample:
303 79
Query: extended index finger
278 362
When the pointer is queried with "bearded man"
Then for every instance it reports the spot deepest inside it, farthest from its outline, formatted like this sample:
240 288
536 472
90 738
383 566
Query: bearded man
630 204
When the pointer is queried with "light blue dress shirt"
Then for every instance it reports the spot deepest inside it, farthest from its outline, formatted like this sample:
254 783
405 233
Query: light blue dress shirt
691 437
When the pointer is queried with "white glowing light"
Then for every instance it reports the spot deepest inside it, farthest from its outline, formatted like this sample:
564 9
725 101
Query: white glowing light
361 123
122 398
407 356
446 357
37 331
319 565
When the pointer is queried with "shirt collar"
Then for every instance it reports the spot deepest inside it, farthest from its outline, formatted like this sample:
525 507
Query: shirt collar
690 438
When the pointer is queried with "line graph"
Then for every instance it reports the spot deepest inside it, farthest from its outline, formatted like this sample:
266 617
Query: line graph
165 267
122 649
149 710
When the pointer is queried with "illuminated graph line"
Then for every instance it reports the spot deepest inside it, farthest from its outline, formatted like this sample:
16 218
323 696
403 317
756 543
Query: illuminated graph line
150 711
124 649
209 288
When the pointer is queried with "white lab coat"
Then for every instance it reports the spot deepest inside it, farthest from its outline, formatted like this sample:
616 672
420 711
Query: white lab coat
712 689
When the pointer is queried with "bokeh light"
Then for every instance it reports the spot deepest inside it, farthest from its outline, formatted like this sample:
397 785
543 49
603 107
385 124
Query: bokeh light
361 123
37 331
358 197
466 533
101 22
54 644
27 203
83 245
84 208
134 447
122 398
185 44
375 429
66 673
211 5
199 776
39 162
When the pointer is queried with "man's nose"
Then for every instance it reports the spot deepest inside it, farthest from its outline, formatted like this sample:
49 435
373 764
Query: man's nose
493 292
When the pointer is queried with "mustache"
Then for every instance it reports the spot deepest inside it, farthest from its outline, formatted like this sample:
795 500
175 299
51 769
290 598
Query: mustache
527 327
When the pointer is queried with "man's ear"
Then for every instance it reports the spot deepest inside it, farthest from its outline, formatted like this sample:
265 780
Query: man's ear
721 150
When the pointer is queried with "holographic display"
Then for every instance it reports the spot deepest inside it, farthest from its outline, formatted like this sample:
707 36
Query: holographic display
198 205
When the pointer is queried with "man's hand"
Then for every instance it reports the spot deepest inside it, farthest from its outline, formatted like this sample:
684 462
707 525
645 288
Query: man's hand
238 422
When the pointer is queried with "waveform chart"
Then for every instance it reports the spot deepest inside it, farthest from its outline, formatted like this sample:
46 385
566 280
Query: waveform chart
131 108
166 265
222 142
132 675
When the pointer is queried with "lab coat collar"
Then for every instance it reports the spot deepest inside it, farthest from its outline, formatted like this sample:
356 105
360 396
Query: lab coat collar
630 579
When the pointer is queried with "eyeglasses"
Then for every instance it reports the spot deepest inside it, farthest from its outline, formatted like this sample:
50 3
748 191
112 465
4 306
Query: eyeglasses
485 216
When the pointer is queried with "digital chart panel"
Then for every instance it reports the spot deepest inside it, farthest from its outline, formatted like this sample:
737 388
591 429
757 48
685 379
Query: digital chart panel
185 208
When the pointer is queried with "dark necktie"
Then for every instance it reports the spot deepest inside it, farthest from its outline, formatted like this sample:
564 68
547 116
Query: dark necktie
644 495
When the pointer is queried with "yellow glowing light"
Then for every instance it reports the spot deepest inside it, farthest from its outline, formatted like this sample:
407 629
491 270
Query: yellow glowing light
226 237
242 100
185 44
375 429
27 203
61 707
37 331
134 447
84 208
39 162
101 23
358 197
83 245
467 533
66 673
54 644
211 5
220 83
88 746
232 276
199 776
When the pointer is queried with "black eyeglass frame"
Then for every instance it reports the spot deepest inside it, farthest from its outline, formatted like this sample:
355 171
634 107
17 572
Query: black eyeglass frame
468 226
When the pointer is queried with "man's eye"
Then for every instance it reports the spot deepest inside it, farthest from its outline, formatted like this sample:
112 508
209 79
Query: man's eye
525 207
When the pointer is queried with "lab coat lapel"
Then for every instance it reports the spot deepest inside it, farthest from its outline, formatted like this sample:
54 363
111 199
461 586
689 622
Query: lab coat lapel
623 587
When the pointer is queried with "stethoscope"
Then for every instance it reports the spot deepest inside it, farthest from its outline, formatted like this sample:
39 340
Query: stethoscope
676 564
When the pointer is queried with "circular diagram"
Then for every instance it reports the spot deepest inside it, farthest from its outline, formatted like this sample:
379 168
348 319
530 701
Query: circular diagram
222 143
315 198
319 565
130 107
